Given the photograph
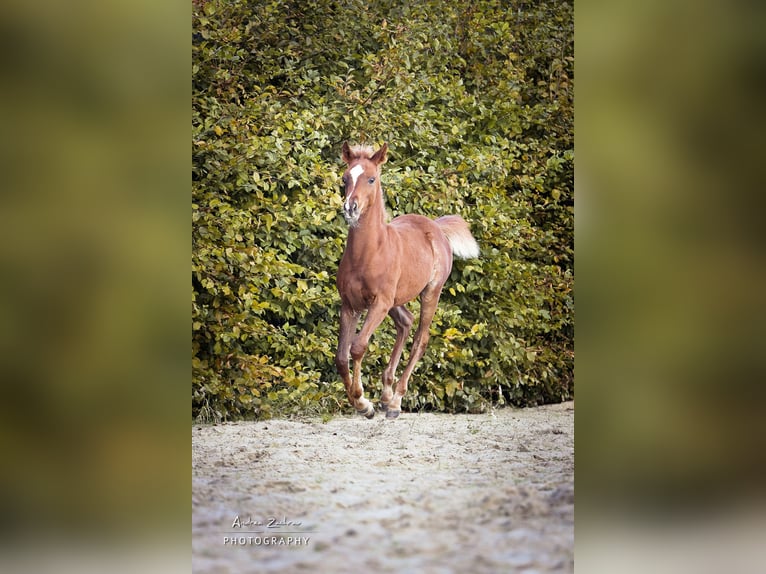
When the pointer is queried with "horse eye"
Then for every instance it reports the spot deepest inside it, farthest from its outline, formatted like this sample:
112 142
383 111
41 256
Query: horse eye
371 180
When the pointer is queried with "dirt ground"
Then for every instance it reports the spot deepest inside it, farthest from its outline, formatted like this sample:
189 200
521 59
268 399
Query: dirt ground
427 492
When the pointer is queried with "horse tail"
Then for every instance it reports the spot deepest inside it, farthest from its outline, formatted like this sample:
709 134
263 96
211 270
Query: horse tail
458 234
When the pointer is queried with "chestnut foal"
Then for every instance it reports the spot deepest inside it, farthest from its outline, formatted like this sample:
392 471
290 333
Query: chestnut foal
384 266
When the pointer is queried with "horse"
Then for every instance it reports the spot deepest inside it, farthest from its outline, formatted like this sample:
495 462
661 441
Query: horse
385 266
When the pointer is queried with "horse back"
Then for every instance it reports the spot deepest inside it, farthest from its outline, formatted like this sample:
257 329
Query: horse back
419 233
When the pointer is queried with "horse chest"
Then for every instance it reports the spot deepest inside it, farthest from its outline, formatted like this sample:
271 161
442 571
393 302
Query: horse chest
360 289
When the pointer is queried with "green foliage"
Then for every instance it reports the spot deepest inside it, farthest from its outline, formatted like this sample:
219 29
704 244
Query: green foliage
475 101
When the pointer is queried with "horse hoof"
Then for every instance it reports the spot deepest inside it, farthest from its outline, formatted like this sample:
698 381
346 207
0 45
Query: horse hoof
384 407
369 412
392 414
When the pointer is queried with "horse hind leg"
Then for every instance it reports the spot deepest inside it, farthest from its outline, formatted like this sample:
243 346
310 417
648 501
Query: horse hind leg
428 302
403 320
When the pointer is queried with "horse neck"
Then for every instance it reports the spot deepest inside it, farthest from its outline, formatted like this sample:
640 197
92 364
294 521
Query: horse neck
371 227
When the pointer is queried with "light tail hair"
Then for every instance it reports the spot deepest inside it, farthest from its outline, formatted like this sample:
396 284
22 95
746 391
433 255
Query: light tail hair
458 234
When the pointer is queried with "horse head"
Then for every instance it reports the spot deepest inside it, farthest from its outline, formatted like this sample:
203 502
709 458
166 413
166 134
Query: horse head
361 180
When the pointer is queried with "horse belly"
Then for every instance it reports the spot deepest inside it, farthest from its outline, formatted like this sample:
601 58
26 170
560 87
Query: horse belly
417 271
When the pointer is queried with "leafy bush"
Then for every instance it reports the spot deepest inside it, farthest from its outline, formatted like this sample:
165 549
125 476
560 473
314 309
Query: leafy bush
475 101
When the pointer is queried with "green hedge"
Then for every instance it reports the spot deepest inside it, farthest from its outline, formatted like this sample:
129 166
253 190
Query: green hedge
475 102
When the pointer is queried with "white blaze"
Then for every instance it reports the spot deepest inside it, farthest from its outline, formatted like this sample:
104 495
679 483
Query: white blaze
355 172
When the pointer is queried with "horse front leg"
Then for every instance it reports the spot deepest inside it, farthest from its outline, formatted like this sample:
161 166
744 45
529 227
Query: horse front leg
375 316
348 322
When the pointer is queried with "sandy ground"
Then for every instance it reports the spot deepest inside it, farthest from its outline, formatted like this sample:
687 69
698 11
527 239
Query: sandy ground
431 493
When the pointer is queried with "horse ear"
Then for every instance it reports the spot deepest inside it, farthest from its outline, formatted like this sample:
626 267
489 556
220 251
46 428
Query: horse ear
379 157
346 153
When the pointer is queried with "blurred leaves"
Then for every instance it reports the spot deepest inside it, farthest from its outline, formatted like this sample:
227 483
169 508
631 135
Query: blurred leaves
93 176
475 102
670 253
670 339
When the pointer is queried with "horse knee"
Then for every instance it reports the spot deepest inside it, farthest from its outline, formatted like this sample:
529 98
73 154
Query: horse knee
358 348
341 364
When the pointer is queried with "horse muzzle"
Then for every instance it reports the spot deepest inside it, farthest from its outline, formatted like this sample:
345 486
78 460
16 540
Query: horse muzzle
351 212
